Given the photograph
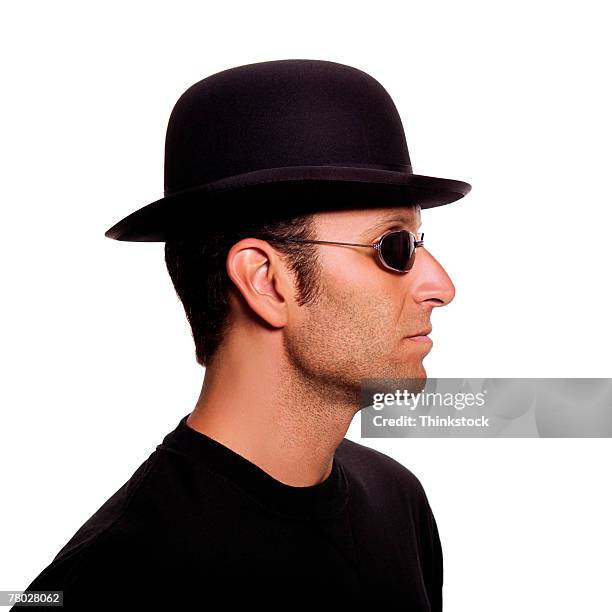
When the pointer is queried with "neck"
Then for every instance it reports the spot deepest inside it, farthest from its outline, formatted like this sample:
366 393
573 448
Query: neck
273 416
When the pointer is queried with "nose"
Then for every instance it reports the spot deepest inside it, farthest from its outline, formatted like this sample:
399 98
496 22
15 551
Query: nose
430 283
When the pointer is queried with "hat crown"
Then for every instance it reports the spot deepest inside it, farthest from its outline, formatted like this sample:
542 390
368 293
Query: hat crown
281 113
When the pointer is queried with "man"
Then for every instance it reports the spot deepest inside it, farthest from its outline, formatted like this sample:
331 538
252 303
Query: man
291 220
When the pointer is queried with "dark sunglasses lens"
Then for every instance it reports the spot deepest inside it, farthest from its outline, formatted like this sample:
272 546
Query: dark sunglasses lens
396 250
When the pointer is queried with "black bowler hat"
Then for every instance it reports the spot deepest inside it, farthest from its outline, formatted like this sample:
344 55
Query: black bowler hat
277 139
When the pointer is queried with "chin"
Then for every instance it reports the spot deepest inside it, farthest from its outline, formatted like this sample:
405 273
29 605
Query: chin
403 370
412 378
420 374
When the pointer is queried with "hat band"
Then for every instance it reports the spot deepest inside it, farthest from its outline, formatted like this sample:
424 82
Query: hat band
392 167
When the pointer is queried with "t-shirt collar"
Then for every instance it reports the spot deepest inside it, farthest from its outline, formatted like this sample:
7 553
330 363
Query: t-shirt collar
322 500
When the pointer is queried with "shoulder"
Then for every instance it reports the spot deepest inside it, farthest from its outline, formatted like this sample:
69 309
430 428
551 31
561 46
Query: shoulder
100 575
142 526
115 510
113 534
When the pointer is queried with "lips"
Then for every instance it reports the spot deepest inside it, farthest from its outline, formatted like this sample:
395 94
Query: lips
420 339
421 334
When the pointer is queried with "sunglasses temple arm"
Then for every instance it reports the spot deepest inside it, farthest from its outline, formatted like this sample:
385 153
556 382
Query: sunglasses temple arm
325 242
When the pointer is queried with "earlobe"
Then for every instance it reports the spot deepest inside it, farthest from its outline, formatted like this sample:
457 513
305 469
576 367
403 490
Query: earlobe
254 269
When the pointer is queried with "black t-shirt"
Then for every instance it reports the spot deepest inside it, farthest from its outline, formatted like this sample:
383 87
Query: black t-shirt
199 525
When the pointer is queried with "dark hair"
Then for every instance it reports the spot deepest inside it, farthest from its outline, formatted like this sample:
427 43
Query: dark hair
197 270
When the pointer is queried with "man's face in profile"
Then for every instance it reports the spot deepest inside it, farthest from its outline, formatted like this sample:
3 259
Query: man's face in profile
360 325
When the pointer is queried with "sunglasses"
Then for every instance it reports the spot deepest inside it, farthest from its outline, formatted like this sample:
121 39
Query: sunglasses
395 249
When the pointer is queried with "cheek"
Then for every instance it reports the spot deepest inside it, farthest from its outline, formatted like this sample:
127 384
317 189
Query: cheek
351 320
364 302
351 335
348 268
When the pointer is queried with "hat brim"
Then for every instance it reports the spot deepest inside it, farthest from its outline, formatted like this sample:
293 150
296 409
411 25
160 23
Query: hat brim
281 193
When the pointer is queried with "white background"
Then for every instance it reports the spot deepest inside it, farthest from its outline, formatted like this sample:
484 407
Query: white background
97 357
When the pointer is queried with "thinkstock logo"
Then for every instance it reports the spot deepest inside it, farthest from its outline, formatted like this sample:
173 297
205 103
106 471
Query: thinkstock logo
486 407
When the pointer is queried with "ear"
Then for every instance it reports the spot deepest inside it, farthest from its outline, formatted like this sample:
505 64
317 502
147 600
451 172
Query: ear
260 276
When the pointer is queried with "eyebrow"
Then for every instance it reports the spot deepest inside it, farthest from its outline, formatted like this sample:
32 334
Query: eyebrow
382 221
